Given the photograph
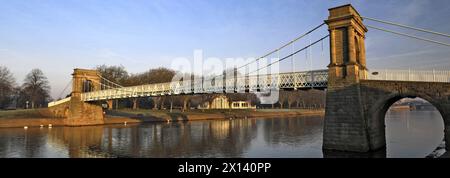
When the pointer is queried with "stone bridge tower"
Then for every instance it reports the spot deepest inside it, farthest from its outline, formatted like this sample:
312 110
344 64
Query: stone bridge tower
80 112
344 126
356 107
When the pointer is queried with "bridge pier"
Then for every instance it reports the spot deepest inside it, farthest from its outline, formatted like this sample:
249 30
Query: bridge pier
81 112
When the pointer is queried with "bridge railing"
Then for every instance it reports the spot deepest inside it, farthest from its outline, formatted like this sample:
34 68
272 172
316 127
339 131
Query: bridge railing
264 82
54 103
410 75
308 79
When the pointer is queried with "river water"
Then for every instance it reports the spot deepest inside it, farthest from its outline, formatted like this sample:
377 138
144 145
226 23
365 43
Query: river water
408 134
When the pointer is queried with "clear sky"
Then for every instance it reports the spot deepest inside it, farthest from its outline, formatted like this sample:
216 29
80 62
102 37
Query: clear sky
57 36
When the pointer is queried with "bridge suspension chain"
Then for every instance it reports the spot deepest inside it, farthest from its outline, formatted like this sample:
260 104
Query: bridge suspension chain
112 85
273 51
292 54
277 49
108 81
107 87
65 88
406 26
283 46
410 36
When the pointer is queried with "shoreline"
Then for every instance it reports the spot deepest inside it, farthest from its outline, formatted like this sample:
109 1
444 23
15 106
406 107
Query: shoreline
146 116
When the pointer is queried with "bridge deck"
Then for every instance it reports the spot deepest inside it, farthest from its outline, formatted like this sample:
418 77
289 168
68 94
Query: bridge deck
309 79
294 80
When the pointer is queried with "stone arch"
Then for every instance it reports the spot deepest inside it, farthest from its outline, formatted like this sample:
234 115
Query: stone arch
376 117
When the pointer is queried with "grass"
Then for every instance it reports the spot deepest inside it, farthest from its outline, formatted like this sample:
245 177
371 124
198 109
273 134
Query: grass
196 114
43 113
23 113
160 113
176 111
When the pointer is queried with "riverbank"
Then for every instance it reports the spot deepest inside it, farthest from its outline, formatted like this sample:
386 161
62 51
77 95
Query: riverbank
137 116
400 107
29 118
42 117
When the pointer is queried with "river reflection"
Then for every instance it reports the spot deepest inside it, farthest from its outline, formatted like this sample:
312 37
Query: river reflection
413 133
275 137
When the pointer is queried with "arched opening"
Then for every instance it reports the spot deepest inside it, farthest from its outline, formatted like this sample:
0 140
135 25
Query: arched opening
414 127
87 86
358 51
66 112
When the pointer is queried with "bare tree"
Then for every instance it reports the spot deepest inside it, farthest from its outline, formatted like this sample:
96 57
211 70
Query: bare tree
156 100
171 100
163 101
36 88
300 100
186 99
158 75
116 74
119 75
282 98
135 103
291 97
7 83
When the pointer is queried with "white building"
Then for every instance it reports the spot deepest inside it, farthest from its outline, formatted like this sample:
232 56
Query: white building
222 102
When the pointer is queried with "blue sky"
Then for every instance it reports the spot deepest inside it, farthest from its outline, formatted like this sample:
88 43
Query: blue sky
57 36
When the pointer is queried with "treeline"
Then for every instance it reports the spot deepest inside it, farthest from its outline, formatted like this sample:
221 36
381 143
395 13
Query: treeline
32 93
118 74
311 98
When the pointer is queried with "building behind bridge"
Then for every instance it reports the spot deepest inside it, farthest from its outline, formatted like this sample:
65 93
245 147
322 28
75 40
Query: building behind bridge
223 102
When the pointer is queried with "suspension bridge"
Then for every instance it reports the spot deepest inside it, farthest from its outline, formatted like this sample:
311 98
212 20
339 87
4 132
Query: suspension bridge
357 98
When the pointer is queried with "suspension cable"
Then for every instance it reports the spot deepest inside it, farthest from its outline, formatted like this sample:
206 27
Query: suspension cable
120 86
275 50
409 27
111 88
410 36
257 59
65 88
279 60
293 60
287 44
294 53
310 55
